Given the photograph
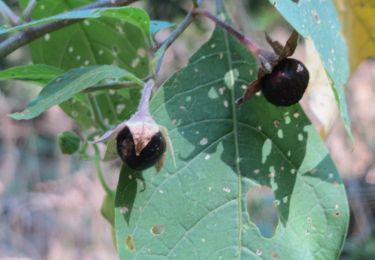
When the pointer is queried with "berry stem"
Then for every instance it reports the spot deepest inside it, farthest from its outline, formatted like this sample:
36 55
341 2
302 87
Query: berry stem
6 11
171 38
28 10
145 99
99 171
98 117
255 49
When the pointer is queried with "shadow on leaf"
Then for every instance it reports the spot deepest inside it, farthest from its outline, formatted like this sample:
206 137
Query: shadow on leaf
126 191
258 141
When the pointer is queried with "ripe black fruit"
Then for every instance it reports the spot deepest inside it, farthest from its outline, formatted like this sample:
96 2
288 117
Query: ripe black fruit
287 82
147 157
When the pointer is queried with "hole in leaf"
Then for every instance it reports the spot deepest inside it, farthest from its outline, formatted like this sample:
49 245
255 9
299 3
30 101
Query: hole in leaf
266 149
262 210
130 243
141 52
135 62
157 230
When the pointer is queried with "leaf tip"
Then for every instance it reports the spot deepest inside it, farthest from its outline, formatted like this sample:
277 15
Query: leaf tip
17 116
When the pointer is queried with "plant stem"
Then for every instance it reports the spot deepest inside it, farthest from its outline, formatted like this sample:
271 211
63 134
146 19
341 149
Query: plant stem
172 37
241 37
114 86
145 99
4 8
30 34
29 8
219 6
96 111
99 171
179 29
111 106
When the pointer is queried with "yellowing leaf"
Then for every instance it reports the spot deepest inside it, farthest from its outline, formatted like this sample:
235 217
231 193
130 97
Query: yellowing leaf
358 20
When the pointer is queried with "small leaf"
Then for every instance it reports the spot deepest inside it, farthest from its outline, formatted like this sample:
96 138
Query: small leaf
69 84
108 208
38 73
157 26
319 20
69 142
111 150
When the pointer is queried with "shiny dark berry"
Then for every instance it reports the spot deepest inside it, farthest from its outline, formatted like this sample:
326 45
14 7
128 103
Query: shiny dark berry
149 155
286 84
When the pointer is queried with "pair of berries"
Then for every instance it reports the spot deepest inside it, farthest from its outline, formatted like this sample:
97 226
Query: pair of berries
141 143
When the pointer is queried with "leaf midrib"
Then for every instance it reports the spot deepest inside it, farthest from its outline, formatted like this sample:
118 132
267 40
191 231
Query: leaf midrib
236 147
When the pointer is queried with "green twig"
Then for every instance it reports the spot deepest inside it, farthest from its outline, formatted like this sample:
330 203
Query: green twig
111 106
220 7
172 37
114 86
99 171
28 10
6 11
255 49
97 113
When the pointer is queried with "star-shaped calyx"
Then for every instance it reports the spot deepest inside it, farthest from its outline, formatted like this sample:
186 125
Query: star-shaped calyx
282 80
140 141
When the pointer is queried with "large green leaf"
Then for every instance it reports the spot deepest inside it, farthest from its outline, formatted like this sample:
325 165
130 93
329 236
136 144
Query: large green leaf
224 152
70 83
83 43
319 21
132 15
95 41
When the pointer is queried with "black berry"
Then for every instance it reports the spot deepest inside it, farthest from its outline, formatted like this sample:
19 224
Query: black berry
287 82
149 155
